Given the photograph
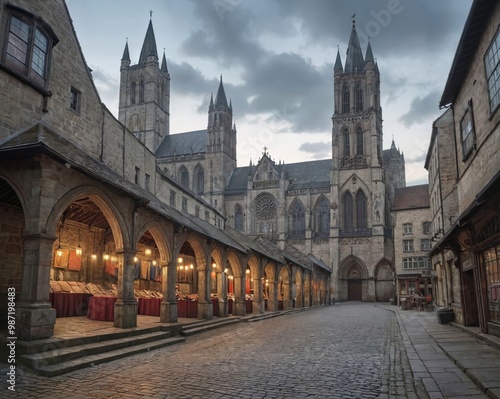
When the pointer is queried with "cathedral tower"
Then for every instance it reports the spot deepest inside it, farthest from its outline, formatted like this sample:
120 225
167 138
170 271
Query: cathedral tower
144 106
358 181
221 145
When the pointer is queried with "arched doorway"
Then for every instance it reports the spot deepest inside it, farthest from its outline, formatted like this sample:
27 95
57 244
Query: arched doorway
11 247
354 284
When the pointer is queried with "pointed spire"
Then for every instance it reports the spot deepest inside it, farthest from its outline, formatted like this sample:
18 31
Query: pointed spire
220 98
338 61
164 63
149 45
230 106
354 57
369 53
126 55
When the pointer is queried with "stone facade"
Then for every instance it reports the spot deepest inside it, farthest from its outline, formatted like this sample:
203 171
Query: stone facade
463 163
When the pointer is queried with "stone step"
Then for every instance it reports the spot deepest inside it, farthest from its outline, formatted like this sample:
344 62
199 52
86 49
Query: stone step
202 327
214 321
59 355
92 360
267 315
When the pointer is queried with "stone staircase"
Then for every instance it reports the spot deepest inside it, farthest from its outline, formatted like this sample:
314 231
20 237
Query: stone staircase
53 356
207 325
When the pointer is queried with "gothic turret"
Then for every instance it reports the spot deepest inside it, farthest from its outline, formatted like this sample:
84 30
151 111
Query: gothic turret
354 62
338 64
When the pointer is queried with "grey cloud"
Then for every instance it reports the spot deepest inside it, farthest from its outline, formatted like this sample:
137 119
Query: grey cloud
421 108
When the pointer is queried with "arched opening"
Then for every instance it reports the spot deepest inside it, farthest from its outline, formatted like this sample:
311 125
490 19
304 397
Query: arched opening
322 217
297 220
184 176
11 247
284 298
239 222
186 282
199 180
346 103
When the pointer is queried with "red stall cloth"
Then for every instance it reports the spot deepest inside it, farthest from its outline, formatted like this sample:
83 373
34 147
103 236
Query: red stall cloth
102 308
149 306
192 309
69 304
181 308
230 306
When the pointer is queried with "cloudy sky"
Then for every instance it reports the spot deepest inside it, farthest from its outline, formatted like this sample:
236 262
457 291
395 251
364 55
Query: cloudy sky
276 58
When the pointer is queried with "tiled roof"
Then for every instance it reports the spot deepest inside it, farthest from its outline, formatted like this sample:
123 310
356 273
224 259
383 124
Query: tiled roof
413 197
194 142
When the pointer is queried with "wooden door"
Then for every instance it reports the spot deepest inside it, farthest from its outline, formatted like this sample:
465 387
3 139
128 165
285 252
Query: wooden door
354 290
471 315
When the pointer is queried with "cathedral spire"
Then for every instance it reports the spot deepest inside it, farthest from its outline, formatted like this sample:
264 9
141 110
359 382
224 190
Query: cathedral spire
149 45
220 98
369 53
338 62
354 58
164 63
126 55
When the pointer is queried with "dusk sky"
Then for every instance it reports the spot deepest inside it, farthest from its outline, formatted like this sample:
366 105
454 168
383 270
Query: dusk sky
276 59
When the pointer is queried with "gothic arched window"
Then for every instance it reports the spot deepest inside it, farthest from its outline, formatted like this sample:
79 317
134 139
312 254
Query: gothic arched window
361 212
359 98
347 144
141 91
132 93
322 216
184 176
238 218
297 220
347 205
359 141
199 180
345 99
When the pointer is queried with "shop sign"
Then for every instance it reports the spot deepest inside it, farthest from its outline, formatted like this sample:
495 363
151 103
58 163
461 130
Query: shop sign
467 264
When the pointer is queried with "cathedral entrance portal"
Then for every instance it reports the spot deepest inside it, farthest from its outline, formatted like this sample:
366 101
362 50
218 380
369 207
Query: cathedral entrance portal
354 289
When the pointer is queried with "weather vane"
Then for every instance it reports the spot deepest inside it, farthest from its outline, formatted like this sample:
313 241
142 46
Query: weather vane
353 20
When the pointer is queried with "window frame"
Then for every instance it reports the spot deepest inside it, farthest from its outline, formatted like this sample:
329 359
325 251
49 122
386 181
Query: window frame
408 245
23 70
469 142
407 228
492 70
75 106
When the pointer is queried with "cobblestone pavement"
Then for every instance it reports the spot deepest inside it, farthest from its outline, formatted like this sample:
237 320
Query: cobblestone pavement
350 350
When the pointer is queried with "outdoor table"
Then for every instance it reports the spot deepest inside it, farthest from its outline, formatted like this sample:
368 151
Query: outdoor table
69 304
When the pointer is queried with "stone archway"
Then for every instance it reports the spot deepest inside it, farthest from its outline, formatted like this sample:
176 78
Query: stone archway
353 280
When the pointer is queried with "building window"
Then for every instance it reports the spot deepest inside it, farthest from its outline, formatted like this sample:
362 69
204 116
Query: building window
347 204
207 216
199 180
408 246
359 141
146 181
426 227
74 100
416 263
197 211
171 199
141 91
407 228
361 213
345 99
359 99
492 66
184 204
467 131
184 174
137 175
238 218
133 89
425 244
347 144
492 263
297 220
28 47
323 218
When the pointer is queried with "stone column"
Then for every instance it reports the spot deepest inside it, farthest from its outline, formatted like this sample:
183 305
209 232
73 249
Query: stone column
293 294
370 295
205 310
272 302
125 305
239 296
222 293
168 310
34 313
258 302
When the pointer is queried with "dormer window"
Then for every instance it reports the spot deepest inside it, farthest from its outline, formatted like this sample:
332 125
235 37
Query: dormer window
28 48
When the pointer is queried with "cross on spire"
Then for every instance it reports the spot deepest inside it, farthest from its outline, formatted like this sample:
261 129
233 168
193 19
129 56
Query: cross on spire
150 14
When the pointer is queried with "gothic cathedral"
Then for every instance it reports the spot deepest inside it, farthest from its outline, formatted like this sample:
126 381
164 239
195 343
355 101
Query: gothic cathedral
336 210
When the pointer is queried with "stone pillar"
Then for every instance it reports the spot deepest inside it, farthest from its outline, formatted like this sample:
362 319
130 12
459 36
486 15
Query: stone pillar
239 296
370 295
293 295
125 305
258 306
222 293
205 310
168 310
272 302
34 313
